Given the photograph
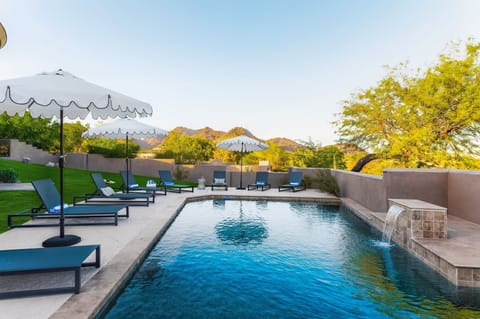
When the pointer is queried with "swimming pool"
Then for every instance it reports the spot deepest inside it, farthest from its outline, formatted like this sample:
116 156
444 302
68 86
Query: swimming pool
268 259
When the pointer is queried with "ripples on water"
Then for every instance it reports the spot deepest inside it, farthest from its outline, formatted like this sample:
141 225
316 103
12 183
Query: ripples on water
247 259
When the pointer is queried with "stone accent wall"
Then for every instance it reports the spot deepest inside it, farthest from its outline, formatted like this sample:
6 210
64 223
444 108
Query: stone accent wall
420 220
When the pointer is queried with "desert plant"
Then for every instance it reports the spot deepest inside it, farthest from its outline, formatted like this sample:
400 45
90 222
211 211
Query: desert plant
327 183
8 175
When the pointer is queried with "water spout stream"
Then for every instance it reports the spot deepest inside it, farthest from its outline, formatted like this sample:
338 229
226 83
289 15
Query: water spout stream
390 221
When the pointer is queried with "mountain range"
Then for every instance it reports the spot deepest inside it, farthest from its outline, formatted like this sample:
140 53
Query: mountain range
216 136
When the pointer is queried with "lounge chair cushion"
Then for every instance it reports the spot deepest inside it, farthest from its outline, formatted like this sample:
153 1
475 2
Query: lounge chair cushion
107 191
168 183
133 185
56 209
219 181
294 183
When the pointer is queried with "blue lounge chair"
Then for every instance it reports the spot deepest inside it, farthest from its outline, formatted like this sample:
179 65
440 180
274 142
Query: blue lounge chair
106 195
128 178
167 180
295 183
219 180
50 209
43 260
261 182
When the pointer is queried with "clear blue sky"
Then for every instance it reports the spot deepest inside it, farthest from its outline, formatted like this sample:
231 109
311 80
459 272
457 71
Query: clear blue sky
279 68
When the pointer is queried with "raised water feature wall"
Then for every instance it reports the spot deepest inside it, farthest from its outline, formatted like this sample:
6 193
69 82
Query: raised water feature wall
422 230
419 220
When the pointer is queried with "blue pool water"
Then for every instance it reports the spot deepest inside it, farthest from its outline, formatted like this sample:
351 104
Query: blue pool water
259 259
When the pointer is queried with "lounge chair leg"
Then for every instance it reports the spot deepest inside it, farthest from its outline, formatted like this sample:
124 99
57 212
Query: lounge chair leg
77 281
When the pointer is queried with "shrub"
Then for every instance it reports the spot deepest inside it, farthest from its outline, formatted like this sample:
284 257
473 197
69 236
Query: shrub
327 183
8 175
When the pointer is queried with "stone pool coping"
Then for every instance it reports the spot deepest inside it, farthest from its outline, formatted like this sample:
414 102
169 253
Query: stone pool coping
123 248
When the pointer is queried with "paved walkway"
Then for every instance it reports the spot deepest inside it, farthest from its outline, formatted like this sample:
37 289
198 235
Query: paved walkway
121 248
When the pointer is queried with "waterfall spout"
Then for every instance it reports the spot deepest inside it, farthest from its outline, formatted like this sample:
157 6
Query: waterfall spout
390 221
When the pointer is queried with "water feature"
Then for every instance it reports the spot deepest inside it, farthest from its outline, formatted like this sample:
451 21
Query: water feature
297 260
390 222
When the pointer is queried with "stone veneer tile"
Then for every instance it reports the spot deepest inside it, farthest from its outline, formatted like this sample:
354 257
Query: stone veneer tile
427 215
416 215
427 234
465 274
427 225
444 267
476 274
452 273
440 217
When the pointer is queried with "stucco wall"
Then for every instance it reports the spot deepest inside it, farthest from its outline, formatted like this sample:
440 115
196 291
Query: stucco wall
20 150
464 194
429 185
367 190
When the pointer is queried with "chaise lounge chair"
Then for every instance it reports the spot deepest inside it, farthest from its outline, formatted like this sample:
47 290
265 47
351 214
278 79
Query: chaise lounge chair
295 184
50 209
219 180
167 181
261 182
43 260
134 187
106 195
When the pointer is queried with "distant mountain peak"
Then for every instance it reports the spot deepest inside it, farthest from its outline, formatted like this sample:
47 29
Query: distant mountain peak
216 136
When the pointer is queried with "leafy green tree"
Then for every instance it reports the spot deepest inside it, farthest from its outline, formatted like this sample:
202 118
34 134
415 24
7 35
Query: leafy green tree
314 155
277 157
429 119
39 132
72 136
186 149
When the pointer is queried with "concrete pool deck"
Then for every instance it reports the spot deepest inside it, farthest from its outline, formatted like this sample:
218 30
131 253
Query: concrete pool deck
122 248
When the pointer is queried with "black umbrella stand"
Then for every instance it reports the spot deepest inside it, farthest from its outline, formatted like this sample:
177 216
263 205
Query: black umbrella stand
62 239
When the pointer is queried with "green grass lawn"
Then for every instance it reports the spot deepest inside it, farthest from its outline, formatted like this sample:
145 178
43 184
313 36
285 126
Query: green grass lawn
76 182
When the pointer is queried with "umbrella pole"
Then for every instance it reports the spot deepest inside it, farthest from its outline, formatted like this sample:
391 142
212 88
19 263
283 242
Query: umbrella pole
126 158
62 239
241 167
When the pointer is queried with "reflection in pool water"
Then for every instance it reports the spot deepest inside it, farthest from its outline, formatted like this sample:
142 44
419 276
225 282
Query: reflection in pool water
297 260
243 230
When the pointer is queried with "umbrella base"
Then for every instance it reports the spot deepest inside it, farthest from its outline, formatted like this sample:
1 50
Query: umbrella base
241 188
57 241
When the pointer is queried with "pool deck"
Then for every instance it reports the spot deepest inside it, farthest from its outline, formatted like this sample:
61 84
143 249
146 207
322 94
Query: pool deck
122 248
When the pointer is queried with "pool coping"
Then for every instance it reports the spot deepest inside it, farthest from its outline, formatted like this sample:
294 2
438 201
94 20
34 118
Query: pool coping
105 285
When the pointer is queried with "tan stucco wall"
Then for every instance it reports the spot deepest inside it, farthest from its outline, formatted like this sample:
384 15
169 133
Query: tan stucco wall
464 194
368 190
429 185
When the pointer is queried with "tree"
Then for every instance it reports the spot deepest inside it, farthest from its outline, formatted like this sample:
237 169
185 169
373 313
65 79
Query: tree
276 156
430 119
39 132
314 155
186 149
72 136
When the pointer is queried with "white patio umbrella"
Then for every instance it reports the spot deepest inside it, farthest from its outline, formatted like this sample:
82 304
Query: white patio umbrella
125 128
242 144
60 94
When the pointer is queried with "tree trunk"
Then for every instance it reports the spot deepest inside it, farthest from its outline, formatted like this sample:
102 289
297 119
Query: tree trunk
364 161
